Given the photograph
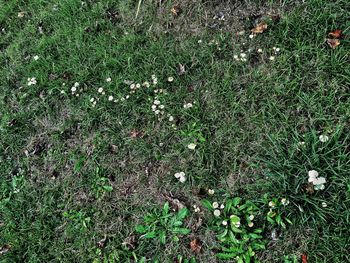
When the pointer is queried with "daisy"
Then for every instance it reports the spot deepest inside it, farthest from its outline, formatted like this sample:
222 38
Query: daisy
215 205
323 138
191 146
170 79
217 212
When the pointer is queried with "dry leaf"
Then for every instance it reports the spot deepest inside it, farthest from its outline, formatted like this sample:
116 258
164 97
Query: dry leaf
335 34
304 258
136 134
4 249
333 43
196 245
309 188
260 28
176 10
180 69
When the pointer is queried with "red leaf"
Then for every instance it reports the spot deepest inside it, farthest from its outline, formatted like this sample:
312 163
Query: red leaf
261 27
335 34
304 258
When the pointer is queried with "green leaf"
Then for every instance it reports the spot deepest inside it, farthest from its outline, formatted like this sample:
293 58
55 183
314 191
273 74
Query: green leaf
182 213
150 235
140 229
222 235
166 208
207 205
181 230
162 237
177 223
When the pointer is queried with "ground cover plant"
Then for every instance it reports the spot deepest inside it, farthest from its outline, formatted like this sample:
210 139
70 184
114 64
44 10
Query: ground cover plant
174 131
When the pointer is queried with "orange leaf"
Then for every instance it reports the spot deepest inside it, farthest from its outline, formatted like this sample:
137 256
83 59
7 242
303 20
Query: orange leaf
176 10
335 34
261 27
196 245
333 43
304 258
136 134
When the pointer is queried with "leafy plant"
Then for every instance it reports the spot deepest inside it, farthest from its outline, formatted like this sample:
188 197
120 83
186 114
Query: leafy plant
194 132
164 224
277 210
80 220
101 184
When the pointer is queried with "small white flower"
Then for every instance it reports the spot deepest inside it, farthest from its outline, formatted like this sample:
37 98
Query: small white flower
178 175
274 48
157 112
224 223
153 76
188 105
146 84
170 79
171 118
63 92
324 204
161 107
217 212
100 90
260 50
200 41
243 55
132 86
238 224
196 209
92 99
301 143
76 84
191 146
271 58
251 217
110 98
222 206
21 14
138 85
156 102
250 224
127 96
36 57
211 191
73 89
215 205
251 36
272 204
235 57
108 79
154 107
122 99
182 179
284 201
324 138
278 49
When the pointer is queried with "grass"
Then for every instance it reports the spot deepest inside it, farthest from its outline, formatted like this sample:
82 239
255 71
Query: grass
77 178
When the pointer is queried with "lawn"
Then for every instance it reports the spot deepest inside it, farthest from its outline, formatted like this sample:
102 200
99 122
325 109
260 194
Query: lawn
174 131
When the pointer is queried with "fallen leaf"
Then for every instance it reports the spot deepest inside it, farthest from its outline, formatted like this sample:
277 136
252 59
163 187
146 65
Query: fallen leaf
309 188
196 245
335 34
304 258
4 249
260 28
333 43
136 134
176 10
180 69
175 203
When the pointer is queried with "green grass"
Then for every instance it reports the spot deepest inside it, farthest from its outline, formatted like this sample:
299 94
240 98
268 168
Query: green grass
72 174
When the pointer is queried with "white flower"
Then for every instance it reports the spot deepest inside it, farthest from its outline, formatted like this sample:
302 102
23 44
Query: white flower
76 84
211 191
154 107
170 79
250 224
191 146
251 36
127 96
178 175
324 138
260 50
138 85
317 181
272 204
243 55
222 206
301 143
284 201
92 99
31 81
271 58
156 102
217 212
108 79
235 57
200 41
146 84
161 106
157 112
251 217
324 204
110 98
73 89
21 14
215 205
153 76
188 105
100 90
238 224
196 209
171 118
182 179
132 86
224 223
36 57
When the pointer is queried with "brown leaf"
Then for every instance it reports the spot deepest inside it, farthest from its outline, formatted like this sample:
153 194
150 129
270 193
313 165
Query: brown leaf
176 10
136 134
196 245
309 188
304 258
335 34
333 43
4 249
260 28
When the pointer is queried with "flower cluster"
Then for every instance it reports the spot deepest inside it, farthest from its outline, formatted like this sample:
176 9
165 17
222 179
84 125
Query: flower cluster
31 81
318 182
180 176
